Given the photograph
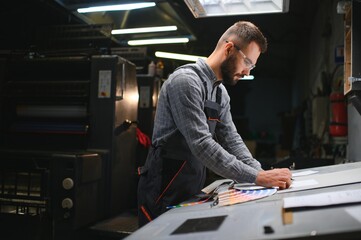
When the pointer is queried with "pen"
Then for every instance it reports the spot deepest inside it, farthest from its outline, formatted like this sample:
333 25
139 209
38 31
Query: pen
231 184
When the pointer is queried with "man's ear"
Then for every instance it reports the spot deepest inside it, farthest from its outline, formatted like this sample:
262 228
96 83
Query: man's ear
228 48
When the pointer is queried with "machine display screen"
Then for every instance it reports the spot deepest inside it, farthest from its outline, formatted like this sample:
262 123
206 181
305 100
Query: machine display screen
200 225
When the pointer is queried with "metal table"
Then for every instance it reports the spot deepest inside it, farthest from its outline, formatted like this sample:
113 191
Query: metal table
263 219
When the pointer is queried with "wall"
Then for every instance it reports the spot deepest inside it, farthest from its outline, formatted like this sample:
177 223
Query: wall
327 33
316 73
261 103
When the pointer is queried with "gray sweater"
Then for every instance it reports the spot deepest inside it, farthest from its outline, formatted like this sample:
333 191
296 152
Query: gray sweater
181 107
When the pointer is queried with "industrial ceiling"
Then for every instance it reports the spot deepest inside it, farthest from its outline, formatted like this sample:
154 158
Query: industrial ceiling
52 25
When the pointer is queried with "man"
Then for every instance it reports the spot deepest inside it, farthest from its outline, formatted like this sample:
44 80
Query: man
193 127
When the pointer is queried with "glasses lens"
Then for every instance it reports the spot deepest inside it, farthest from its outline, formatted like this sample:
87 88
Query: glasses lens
249 63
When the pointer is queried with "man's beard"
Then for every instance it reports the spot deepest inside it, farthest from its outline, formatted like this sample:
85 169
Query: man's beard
228 67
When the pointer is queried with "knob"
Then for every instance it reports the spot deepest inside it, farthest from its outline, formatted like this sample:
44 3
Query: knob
67 203
68 183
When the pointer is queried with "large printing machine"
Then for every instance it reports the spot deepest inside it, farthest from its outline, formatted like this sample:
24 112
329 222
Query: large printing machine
67 143
267 218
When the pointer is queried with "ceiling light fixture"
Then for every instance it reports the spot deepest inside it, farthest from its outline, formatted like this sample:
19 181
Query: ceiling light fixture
157 41
120 7
144 30
249 77
177 56
211 8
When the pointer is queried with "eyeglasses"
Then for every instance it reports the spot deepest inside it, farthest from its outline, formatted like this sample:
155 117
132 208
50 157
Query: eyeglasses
247 61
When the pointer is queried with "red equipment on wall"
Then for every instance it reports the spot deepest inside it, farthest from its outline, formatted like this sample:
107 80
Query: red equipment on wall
338 121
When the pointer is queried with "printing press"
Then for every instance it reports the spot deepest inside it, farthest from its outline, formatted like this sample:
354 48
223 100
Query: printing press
67 143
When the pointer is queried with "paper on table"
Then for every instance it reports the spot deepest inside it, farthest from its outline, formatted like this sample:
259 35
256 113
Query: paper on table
303 183
247 186
208 189
327 179
303 173
323 199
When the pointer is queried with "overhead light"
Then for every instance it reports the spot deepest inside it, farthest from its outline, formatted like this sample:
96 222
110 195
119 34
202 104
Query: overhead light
177 56
144 30
119 7
211 8
249 77
157 41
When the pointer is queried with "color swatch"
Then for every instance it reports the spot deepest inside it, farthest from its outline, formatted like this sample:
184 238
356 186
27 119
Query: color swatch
234 196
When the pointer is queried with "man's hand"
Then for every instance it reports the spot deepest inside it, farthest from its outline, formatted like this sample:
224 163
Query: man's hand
280 177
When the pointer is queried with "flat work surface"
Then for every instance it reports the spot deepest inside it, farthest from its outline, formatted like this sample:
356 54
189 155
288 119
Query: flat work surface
264 219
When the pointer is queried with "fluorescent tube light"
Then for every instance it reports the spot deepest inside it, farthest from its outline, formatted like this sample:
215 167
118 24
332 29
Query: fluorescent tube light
120 7
144 30
249 77
157 41
177 56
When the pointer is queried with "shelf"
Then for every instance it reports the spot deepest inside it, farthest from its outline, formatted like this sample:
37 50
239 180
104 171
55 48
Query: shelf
347 50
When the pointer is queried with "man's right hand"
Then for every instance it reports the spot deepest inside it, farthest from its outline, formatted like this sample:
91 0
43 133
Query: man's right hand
279 177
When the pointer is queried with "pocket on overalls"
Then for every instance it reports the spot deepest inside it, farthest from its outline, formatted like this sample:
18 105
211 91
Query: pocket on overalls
171 169
211 109
149 187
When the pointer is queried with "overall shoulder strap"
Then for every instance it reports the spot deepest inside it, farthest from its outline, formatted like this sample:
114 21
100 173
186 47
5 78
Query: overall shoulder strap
219 95
196 69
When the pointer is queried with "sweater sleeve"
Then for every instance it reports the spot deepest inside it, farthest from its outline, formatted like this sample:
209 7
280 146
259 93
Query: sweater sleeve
186 103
